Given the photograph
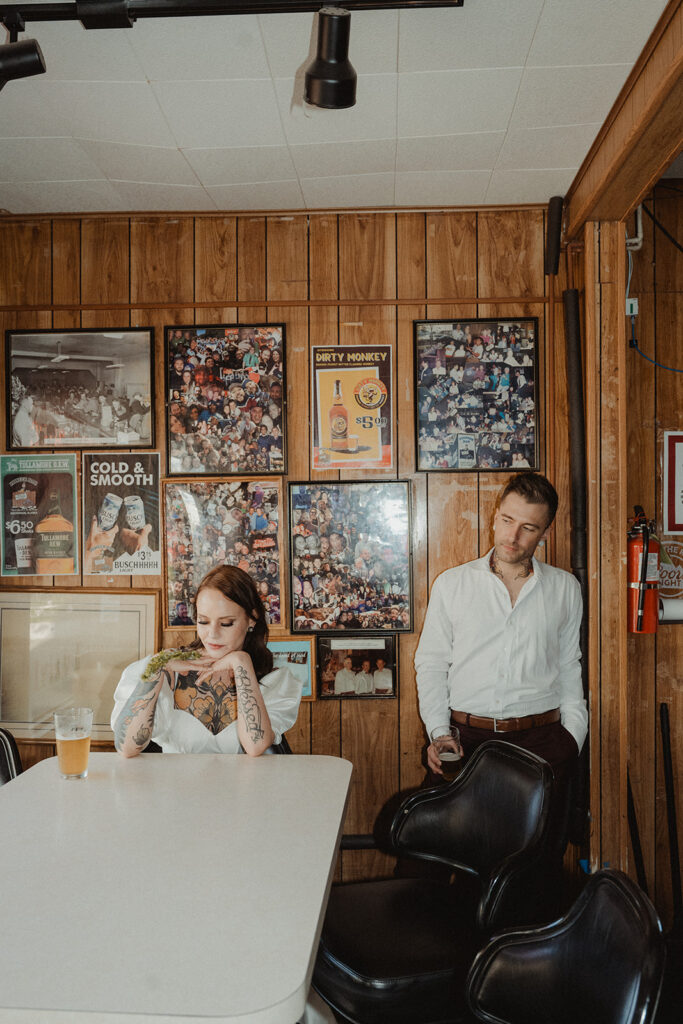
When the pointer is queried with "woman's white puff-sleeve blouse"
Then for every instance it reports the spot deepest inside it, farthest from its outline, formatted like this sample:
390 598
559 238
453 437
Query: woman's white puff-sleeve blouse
178 732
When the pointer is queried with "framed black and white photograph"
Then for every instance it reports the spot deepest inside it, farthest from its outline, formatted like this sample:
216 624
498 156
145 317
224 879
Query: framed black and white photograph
227 522
80 388
225 399
476 394
357 666
350 556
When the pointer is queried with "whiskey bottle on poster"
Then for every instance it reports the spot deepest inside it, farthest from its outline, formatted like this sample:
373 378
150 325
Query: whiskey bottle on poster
339 420
55 540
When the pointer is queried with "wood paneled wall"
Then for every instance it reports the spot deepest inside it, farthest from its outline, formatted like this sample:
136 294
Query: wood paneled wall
332 278
655 404
630 403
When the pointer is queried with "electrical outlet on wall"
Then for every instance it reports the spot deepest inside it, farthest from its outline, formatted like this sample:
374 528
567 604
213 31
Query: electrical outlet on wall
632 307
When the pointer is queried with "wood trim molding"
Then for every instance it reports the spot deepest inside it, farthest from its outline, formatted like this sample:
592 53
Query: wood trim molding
643 132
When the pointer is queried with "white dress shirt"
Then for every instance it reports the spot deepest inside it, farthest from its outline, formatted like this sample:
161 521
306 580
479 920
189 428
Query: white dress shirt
382 680
178 732
345 681
480 654
364 682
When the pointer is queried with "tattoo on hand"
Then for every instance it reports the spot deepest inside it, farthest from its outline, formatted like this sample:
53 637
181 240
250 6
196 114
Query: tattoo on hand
142 699
248 705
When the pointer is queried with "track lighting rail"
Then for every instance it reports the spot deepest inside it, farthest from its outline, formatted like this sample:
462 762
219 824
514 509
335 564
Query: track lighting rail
187 8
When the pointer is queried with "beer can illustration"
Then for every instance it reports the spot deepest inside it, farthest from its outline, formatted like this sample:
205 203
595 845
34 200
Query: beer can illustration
135 511
109 511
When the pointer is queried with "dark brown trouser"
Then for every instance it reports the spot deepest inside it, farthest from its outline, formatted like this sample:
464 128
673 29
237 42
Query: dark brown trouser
555 745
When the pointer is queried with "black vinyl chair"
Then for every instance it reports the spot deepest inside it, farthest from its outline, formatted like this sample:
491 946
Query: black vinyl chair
397 951
602 963
10 761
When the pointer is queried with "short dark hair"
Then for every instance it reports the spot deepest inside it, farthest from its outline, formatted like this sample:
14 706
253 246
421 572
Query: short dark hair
534 488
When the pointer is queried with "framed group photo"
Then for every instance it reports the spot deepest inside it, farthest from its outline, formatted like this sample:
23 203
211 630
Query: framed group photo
211 522
476 394
298 655
225 399
80 389
357 666
350 556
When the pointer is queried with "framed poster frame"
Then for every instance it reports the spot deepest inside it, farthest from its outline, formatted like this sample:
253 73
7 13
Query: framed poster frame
476 394
64 648
225 399
350 556
213 522
297 653
63 391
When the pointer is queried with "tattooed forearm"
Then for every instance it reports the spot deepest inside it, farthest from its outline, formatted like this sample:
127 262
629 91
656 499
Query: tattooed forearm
136 720
249 707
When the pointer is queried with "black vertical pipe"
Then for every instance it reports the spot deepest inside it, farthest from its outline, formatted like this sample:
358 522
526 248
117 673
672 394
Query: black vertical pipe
579 547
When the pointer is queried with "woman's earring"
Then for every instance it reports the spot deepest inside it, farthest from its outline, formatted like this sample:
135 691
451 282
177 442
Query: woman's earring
250 629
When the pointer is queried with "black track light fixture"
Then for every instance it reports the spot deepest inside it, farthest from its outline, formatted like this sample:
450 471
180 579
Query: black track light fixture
19 59
331 79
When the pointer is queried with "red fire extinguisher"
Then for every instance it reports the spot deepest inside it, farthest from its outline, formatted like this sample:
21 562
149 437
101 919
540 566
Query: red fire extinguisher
643 575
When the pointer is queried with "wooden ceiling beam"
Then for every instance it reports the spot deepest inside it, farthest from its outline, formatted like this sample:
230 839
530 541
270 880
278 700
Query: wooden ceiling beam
641 136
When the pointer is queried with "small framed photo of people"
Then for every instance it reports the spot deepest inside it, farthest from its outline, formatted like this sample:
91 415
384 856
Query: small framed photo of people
80 389
476 394
227 522
352 407
356 666
298 655
350 556
225 399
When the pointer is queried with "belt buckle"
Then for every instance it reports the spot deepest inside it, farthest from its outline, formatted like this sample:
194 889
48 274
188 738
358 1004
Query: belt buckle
495 724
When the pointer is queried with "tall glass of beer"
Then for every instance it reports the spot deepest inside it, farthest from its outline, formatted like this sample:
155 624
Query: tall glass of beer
72 731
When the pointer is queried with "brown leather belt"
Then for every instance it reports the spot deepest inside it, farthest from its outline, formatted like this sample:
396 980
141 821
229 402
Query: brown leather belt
505 724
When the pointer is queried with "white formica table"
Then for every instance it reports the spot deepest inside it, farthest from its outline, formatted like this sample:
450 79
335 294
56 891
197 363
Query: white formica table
169 888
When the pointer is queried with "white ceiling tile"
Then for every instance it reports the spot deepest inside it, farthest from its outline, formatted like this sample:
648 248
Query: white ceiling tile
332 159
73 54
137 195
441 188
291 40
205 115
528 186
373 117
473 152
453 102
27 111
45 160
349 190
482 34
235 166
66 197
13 199
586 32
275 195
576 95
113 111
139 163
181 49
546 147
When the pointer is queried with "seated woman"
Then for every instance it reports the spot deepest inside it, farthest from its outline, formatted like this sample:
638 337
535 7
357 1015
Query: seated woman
217 696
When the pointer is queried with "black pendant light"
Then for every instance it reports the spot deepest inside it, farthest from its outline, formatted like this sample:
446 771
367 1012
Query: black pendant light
330 79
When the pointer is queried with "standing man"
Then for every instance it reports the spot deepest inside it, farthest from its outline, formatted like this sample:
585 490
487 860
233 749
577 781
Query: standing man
499 653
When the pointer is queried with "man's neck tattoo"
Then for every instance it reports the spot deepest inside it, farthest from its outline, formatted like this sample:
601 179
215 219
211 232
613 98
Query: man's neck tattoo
525 568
